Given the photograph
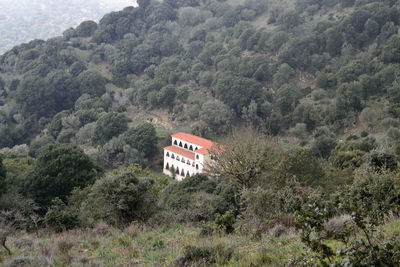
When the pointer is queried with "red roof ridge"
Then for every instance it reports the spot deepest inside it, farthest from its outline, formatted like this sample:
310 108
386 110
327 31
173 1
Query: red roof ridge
200 141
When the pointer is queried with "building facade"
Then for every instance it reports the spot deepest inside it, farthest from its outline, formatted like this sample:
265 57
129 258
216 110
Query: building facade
187 155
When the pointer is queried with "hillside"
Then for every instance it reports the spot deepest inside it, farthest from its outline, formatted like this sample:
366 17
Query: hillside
25 20
304 96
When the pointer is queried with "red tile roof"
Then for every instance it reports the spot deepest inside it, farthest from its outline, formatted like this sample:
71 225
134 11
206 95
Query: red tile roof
180 151
202 151
190 138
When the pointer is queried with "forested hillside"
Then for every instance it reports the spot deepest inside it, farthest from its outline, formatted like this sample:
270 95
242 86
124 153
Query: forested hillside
25 20
312 85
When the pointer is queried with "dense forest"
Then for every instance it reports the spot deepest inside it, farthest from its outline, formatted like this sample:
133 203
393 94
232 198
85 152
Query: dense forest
303 94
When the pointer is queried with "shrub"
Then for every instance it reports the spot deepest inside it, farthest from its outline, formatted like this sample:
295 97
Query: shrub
277 230
120 198
226 221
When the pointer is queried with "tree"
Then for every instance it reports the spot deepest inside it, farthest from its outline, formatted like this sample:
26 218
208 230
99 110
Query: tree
334 41
143 137
92 83
110 125
237 92
86 28
58 170
391 50
120 198
216 115
301 164
283 75
243 159
2 177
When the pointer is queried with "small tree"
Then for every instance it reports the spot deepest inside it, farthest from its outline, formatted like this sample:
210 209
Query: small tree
243 158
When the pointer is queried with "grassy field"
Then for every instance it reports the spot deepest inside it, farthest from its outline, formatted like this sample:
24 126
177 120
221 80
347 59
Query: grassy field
137 245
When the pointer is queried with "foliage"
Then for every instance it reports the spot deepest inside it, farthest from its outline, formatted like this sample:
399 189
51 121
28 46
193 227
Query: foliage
368 201
109 125
120 198
2 177
58 170
143 138
243 159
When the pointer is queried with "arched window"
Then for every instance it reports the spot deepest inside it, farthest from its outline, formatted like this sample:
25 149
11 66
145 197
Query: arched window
183 172
175 143
177 170
187 174
167 154
177 158
167 167
180 144
172 168
196 148
193 164
197 157
172 156
185 146
183 160
197 166
191 147
188 162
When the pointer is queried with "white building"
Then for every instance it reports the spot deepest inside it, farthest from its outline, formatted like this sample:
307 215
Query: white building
186 156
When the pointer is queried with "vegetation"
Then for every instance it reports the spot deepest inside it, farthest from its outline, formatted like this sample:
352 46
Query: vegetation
302 97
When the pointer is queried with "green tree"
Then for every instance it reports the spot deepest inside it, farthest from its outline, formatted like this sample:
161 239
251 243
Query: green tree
216 115
86 28
283 75
301 164
109 125
391 50
120 198
92 83
58 170
237 92
143 137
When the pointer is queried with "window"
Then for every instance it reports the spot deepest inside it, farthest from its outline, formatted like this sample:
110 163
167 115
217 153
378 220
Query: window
197 166
167 154
177 170
183 160
186 147
193 164
175 143
191 147
177 158
167 167
188 162
172 156
197 157
196 148
183 172
187 174
180 144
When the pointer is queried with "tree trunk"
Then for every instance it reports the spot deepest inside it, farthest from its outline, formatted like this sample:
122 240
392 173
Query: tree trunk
3 242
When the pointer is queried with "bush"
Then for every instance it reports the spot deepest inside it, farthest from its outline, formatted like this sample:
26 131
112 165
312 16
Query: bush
226 221
277 230
120 198
59 218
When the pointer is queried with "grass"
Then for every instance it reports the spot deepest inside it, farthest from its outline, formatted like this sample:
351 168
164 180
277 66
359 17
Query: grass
160 246
146 247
